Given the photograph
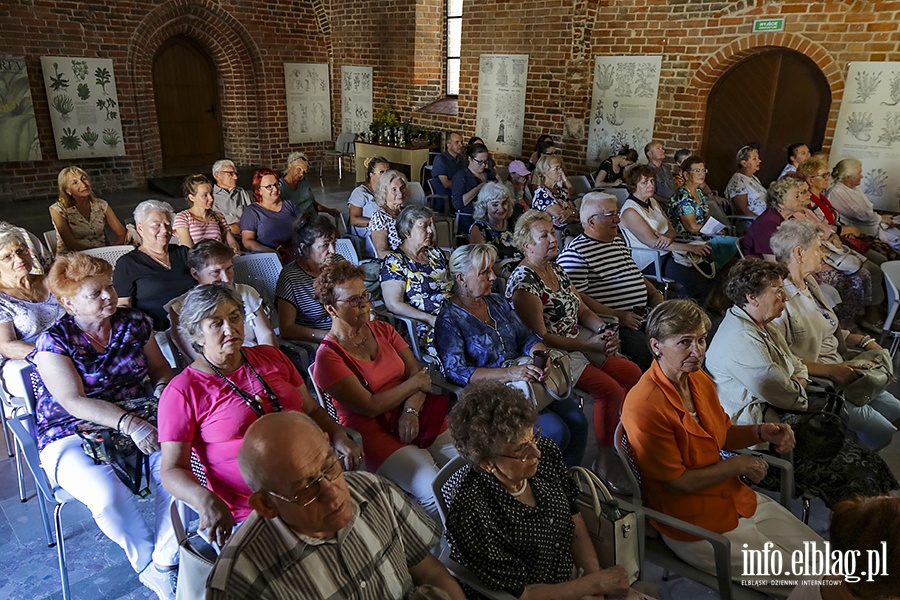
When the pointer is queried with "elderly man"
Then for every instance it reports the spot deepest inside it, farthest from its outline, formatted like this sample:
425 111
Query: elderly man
665 183
317 532
228 198
446 164
607 278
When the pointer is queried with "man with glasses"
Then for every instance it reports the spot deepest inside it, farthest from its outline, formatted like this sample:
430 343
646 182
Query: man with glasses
228 198
317 532
446 164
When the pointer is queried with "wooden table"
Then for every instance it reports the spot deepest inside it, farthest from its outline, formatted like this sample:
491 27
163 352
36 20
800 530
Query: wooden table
408 156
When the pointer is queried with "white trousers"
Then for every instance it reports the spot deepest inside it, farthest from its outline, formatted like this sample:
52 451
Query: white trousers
113 505
770 523
413 469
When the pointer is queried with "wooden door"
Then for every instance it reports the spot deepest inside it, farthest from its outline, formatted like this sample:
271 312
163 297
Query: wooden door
772 100
185 85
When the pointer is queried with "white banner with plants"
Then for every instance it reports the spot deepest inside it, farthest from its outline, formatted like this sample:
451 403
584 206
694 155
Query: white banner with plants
84 106
356 99
18 128
502 80
308 95
868 128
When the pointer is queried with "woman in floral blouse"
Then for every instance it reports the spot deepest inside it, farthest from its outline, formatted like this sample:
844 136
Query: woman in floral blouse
493 210
414 279
552 194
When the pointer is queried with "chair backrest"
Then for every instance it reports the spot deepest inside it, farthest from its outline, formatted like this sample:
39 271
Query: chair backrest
443 233
51 238
320 396
260 271
445 484
891 270
344 247
627 457
344 143
416 193
110 254
581 184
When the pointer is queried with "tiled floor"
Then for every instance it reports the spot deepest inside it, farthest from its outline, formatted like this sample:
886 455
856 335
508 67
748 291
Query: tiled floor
97 568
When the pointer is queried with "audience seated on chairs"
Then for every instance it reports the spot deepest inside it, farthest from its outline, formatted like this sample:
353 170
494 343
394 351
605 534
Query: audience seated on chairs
512 519
362 204
552 195
606 277
655 152
759 380
390 194
543 141
676 428
27 308
94 364
746 193
296 189
446 164
797 154
689 212
207 408
156 272
301 317
519 178
479 336
79 217
373 535
857 210
379 389
228 197
820 342
415 280
493 223
646 226
211 262
468 182
548 303
267 224
200 221
490 170
611 171
786 198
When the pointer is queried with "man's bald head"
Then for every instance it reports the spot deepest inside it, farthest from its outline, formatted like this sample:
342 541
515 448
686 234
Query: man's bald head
273 438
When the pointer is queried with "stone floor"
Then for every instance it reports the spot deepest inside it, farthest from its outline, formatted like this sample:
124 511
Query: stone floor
97 568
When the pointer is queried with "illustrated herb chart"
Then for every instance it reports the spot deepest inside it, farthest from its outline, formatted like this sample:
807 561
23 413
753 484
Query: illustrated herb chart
84 106
18 128
308 94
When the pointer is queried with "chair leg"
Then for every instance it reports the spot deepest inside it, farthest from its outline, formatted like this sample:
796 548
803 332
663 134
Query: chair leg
10 451
805 514
20 473
61 552
340 167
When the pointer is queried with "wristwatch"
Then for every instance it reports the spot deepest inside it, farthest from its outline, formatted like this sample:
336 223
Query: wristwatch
411 411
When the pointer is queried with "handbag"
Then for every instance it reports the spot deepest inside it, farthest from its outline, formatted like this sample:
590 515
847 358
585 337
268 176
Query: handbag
196 558
876 370
703 264
557 383
819 434
841 258
613 531
109 446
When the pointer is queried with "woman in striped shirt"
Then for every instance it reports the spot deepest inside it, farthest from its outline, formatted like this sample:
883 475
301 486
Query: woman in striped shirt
200 221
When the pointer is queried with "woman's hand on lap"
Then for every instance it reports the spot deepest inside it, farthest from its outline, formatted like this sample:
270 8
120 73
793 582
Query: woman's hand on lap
409 427
216 519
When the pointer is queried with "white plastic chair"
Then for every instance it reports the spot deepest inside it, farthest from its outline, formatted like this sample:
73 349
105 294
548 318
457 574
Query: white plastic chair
344 146
416 193
345 248
580 184
110 254
50 237
260 271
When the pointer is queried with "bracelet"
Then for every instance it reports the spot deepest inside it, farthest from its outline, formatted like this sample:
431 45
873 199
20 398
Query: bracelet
121 419
865 341
411 411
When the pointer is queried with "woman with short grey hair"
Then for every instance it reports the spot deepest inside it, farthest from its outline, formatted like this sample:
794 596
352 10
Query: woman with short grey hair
855 207
493 209
415 279
296 189
390 194
156 272
207 408
744 189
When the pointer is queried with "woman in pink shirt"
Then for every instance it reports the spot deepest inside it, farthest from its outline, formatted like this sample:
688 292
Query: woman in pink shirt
200 221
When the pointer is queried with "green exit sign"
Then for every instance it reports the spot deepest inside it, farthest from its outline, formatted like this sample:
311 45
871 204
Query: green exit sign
768 25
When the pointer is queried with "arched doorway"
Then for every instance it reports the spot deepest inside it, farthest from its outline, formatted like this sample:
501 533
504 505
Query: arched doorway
773 99
185 85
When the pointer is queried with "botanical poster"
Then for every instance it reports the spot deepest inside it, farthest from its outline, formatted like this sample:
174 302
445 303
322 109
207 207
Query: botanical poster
18 129
502 80
356 99
84 106
868 128
623 106
308 93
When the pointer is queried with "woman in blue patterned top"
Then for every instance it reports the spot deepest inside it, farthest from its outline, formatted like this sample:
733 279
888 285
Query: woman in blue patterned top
478 332
493 210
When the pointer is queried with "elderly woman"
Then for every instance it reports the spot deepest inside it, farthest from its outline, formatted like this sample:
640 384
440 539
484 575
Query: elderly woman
211 262
300 316
79 217
478 334
551 194
611 171
379 389
266 225
362 204
787 197
689 211
92 362
746 192
811 329
646 226
548 303
512 519
200 221
468 182
148 277
492 213
677 428
857 210
759 380
27 308
295 189
414 279
390 194
208 407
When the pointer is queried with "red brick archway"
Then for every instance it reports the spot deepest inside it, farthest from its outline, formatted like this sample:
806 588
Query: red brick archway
237 60
697 93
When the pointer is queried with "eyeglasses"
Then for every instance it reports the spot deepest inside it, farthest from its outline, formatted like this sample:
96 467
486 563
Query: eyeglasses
614 214
825 174
269 188
480 162
380 171
231 173
551 153
21 251
524 450
699 170
358 301
310 492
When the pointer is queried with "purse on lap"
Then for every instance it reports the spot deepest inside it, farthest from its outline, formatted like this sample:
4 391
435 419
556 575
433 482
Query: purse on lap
557 383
